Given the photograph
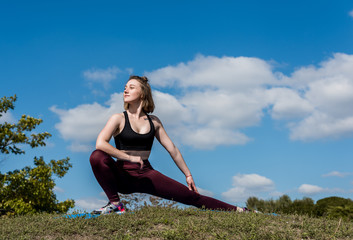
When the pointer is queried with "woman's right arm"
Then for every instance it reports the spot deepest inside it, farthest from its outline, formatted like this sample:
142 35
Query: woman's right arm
106 134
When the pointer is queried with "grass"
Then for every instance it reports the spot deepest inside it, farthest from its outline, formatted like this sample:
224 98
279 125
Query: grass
171 223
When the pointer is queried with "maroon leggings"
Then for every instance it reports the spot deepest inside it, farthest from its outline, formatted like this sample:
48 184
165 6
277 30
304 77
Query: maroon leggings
126 177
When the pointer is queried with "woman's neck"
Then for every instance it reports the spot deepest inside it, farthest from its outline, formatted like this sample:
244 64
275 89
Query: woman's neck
136 109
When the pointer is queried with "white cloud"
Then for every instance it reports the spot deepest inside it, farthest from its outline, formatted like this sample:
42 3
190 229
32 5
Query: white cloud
327 94
337 174
321 125
170 110
219 97
310 189
205 192
82 124
7 117
58 189
329 91
237 194
247 185
103 76
218 108
231 93
227 72
288 104
79 147
209 138
89 204
253 182
351 13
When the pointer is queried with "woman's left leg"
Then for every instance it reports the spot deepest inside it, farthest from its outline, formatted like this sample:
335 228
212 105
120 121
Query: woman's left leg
155 183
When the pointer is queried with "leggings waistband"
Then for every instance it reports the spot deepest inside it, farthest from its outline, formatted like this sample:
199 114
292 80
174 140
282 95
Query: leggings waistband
127 164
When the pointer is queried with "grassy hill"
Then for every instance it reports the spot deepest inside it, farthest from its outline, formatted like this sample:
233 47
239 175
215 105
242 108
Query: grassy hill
171 223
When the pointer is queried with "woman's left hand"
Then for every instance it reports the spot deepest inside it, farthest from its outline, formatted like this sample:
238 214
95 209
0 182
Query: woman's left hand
191 184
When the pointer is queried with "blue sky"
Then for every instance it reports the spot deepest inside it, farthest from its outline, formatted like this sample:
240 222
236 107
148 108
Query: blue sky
257 95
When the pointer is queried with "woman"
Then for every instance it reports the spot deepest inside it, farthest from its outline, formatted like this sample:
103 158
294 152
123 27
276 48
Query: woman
134 131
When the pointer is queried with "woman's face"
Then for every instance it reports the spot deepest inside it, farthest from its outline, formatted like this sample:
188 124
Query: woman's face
132 91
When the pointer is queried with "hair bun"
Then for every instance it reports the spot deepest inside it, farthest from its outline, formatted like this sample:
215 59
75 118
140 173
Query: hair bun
143 79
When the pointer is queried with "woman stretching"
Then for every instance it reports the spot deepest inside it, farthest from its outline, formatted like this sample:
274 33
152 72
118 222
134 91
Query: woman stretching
134 131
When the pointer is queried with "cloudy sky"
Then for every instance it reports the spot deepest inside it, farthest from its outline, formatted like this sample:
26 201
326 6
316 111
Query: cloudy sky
257 95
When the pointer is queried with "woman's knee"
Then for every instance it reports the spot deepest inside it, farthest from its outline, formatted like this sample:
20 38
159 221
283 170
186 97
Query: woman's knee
99 157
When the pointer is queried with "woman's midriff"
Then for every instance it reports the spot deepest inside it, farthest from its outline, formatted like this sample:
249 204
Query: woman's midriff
134 169
143 154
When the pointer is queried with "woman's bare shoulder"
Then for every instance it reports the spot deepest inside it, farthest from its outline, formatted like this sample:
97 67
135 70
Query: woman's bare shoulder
118 115
155 120
117 118
117 121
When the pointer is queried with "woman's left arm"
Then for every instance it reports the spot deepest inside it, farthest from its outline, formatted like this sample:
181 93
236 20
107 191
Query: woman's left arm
174 152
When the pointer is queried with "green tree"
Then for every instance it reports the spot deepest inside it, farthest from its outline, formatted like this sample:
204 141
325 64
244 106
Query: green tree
256 204
284 204
333 206
29 190
345 212
304 206
13 134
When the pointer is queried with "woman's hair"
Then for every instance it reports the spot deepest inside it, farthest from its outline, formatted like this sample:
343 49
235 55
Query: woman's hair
147 100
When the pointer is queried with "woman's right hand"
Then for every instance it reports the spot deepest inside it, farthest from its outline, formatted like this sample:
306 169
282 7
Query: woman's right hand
136 159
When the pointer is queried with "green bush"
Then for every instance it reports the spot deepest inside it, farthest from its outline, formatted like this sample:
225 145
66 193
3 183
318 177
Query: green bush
30 190
332 207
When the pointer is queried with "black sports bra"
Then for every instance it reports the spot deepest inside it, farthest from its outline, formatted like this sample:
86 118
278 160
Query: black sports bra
128 139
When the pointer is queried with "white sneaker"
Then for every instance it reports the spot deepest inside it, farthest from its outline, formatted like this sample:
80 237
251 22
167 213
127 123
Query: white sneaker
239 209
110 208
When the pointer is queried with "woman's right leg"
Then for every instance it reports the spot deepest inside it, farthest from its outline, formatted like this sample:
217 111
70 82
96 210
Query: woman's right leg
152 182
158 184
106 173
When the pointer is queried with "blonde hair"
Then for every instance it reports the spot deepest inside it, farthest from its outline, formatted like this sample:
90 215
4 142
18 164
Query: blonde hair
146 96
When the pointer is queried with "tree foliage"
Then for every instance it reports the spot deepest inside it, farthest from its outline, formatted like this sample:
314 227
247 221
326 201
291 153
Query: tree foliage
12 134
304 206
344 212
332 207
31 189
